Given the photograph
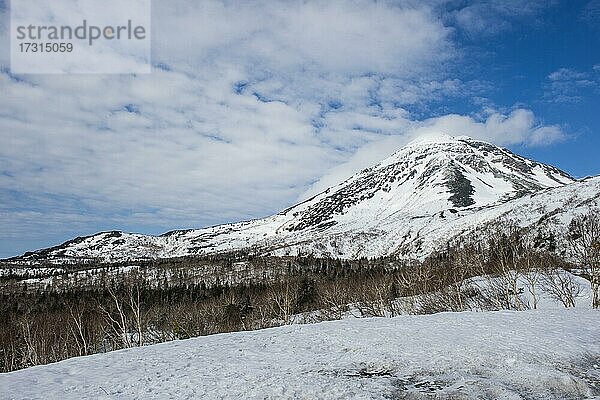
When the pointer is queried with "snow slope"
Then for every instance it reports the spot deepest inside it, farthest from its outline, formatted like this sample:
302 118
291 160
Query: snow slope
550 354
407 205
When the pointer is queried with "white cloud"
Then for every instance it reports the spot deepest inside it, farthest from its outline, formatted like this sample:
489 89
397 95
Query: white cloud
517 127
249 102
567 85
566 74
347 36
488 17
591 13
236 118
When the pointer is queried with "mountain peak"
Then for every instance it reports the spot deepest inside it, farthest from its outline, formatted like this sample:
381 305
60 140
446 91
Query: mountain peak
436 137
442 145
431 174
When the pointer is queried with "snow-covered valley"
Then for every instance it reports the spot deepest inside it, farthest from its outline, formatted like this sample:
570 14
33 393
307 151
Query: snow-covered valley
537 354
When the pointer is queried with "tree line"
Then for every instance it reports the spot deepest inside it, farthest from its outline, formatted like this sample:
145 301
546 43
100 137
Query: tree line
501 267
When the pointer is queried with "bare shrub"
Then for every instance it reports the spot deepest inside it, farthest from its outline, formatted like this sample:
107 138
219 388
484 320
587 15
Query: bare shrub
334 297
561 286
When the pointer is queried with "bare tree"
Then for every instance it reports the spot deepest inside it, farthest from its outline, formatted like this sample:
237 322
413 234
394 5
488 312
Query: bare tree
334 297
31 354
76 327
584 237
375 297
560 285
135 305
535 263
283 298
506 249
119 323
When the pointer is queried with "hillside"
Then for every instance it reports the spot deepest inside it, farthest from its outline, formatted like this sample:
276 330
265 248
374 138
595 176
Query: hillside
513 355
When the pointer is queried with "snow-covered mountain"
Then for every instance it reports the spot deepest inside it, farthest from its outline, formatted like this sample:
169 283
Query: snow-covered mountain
407 205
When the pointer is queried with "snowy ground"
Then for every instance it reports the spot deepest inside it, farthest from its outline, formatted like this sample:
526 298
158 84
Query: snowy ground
549 354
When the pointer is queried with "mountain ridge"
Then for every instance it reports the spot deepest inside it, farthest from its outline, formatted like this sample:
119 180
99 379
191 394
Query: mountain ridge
431 189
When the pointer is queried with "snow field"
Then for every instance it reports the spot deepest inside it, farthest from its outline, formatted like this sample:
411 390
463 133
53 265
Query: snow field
543 354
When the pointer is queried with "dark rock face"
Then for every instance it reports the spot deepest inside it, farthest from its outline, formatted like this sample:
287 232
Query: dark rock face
515 163
461 189
368 183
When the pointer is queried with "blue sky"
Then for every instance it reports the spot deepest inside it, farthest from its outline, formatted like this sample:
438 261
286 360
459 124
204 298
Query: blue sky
565 38
252 106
